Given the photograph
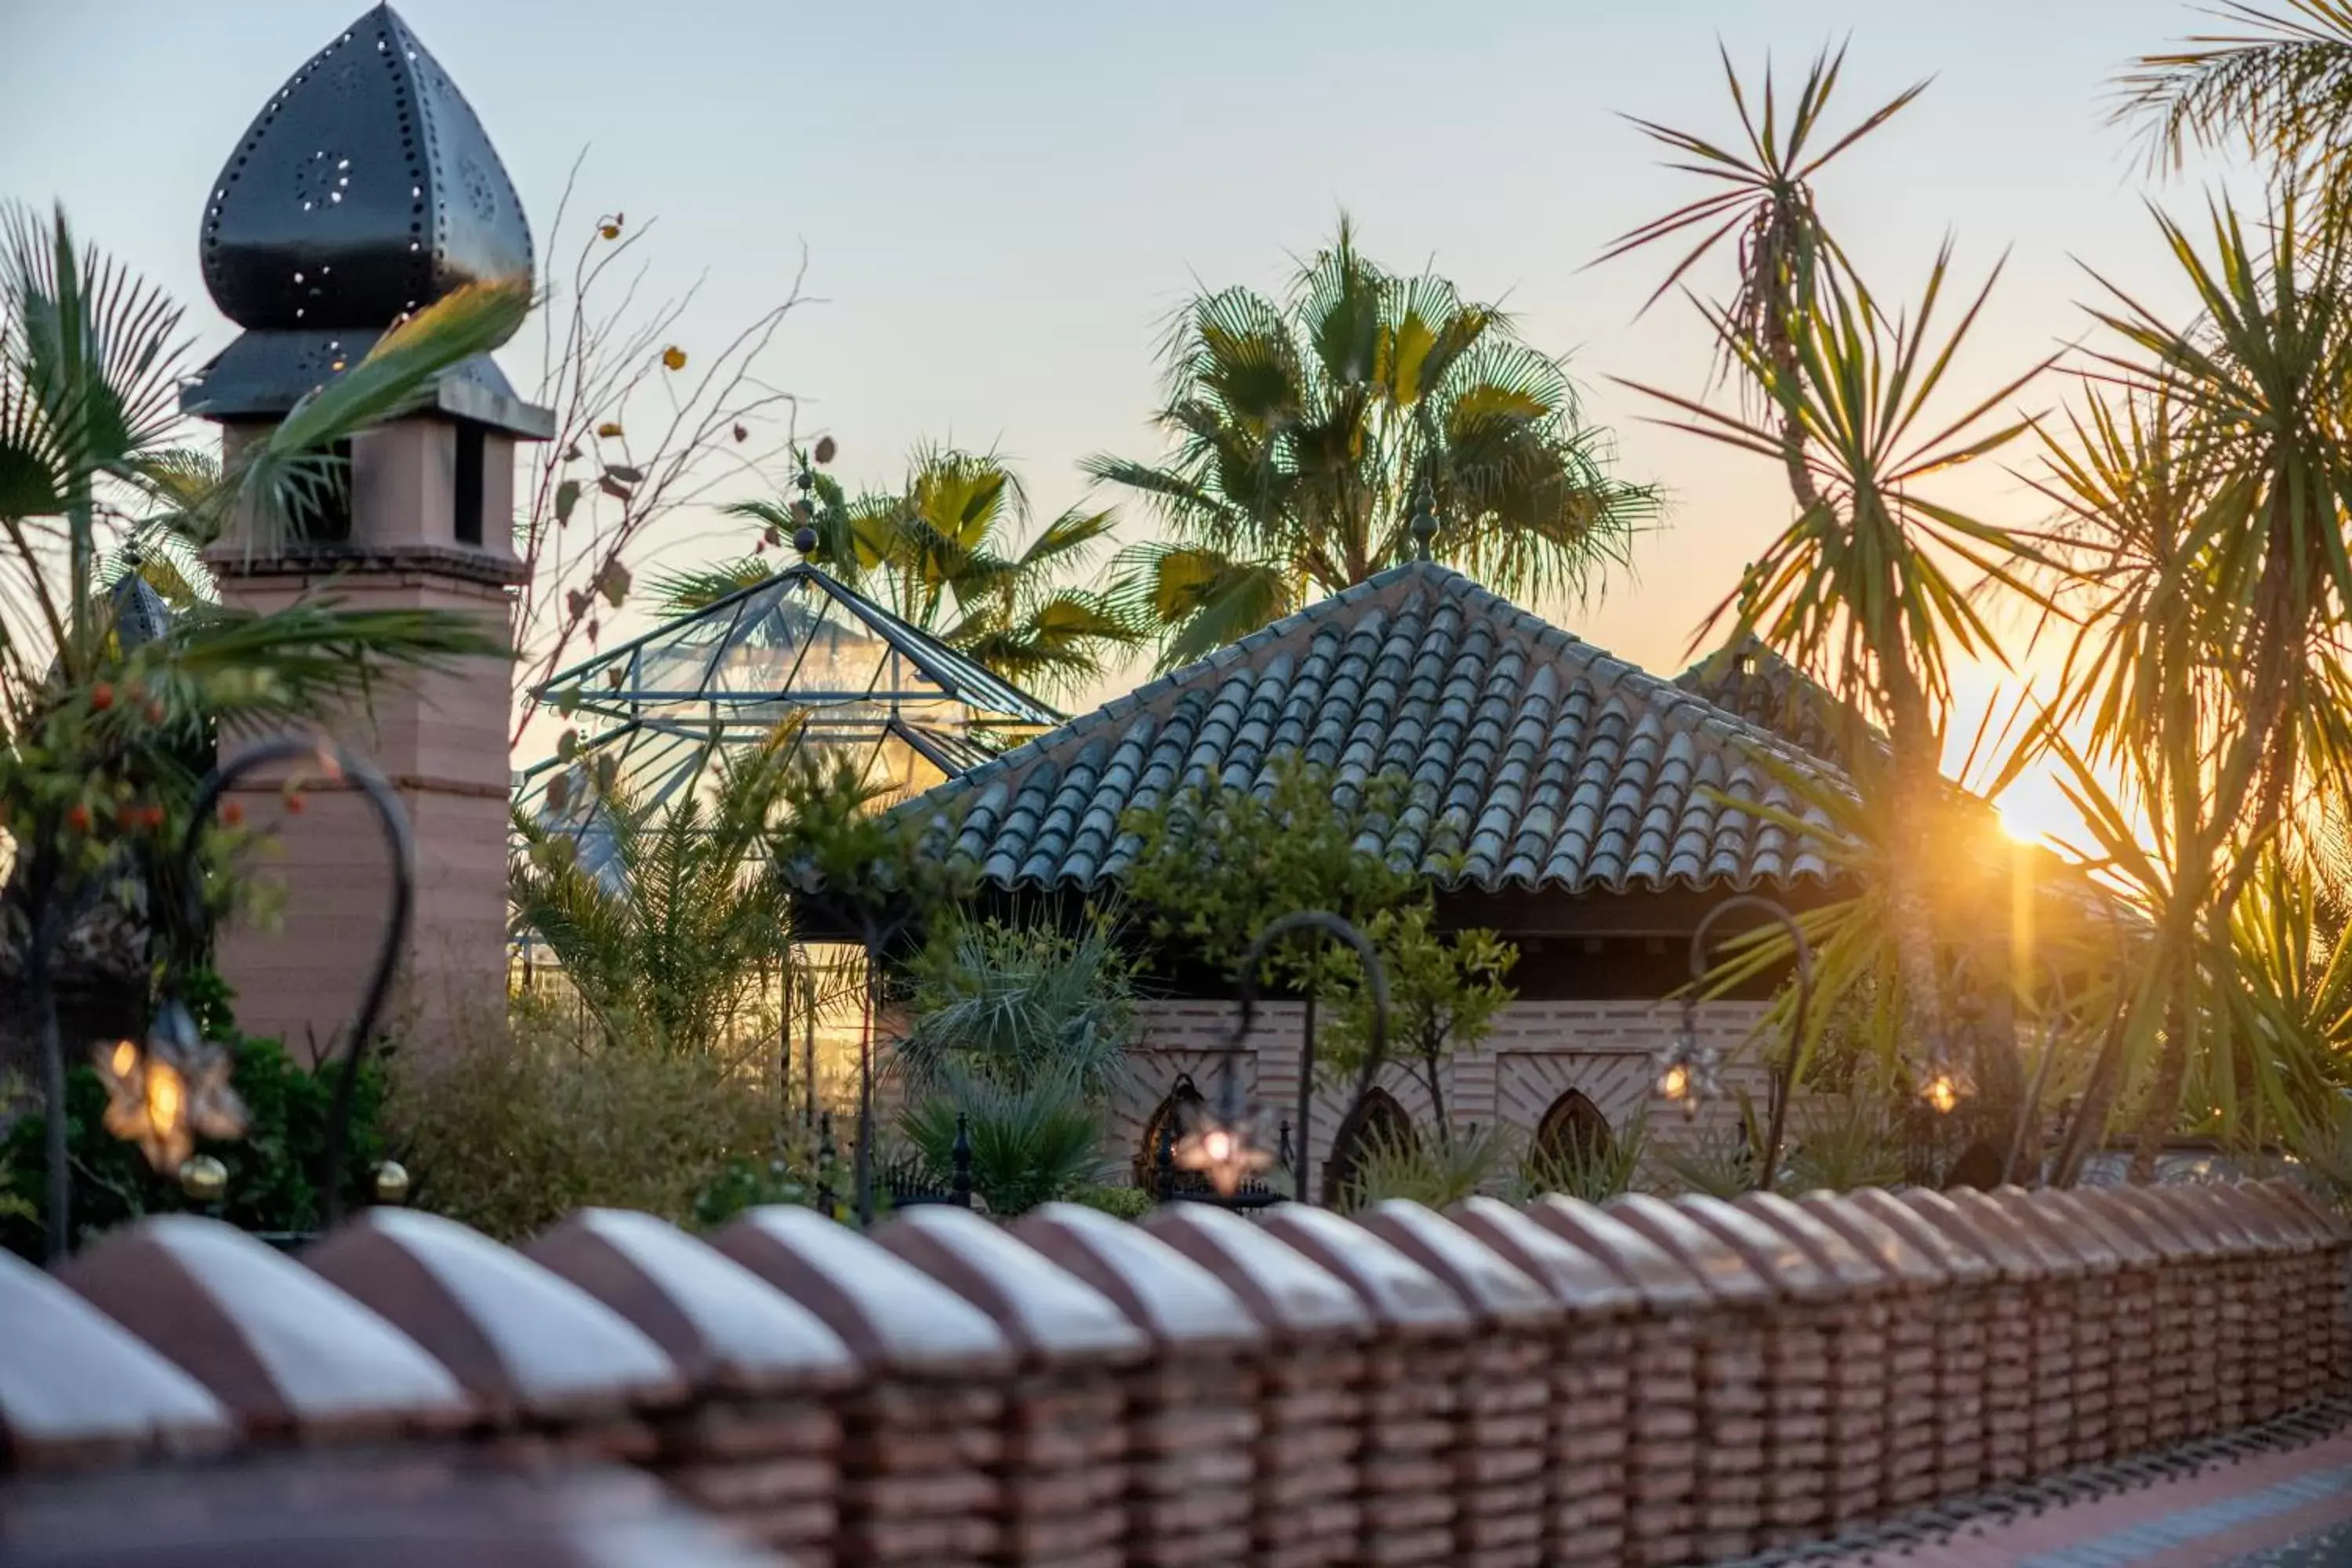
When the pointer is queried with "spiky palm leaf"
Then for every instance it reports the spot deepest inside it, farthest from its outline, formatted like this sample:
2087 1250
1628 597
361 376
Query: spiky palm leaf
1860 589
669 943
2207 502
938 553
2281 89
1760 194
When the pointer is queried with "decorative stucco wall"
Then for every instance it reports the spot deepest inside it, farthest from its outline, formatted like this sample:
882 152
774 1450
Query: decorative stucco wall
1537 1053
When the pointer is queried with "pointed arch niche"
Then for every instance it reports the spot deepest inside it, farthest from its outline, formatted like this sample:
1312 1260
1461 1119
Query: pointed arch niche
1380 1121
1572 1131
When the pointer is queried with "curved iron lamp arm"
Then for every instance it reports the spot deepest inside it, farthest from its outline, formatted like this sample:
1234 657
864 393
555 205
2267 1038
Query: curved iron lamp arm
1783 1075
358 771
1375 976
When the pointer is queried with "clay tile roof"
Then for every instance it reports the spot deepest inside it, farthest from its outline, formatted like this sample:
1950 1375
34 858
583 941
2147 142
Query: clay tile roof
1539 759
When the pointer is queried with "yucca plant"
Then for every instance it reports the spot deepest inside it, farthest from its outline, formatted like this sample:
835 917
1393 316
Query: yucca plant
2204 559
1716 1161
1844 1141
1864 589
1595 1170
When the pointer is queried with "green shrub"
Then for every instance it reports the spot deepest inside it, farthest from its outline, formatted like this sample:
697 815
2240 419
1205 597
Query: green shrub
1718 1163
1431 1171
743 1182
1841 1143
1120 1203
1029 1146
1017 1004
509 1129
273 1170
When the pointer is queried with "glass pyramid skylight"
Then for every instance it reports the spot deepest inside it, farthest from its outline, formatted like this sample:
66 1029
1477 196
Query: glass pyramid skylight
800 643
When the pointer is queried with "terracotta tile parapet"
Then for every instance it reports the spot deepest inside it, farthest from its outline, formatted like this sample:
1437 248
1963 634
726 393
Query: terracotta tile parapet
1774 1254
1665 1285
1495 1289
1906 1259
2215 1208
2272 1228
2213 1233
2189 1236
77 1388
1849 1268
2084 1242
893 1317
1173 1299
1401 1296
1954 1252
1292 1297
1580 1282
2008 1258
722 1326
286 1352
2327 1227
2049 1256
1050 1315
2081 1217
523 1340
2152 1228
1727 1274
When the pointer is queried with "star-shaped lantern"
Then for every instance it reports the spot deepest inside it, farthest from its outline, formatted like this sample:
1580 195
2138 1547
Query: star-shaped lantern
1687 1071
1222 1144
1942 1087
166 1094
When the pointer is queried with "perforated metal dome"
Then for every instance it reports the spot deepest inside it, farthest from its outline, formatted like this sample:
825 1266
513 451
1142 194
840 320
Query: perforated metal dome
365 189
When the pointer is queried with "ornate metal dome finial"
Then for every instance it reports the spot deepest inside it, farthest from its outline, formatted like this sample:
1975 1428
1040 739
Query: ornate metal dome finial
364 190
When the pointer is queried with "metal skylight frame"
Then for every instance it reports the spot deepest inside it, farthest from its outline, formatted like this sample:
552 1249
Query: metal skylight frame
665 728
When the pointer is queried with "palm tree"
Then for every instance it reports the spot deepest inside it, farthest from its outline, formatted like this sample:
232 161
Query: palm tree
939 553
2279 90
96 725
1308 432
1860 590
673 925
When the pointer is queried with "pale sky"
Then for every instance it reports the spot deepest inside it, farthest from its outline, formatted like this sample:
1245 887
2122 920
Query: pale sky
1000 205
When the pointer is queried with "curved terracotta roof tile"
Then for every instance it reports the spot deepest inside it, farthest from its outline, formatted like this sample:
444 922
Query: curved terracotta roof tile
1538 759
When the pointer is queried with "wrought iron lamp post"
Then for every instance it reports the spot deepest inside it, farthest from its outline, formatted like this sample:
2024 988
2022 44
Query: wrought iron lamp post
1687 1072
1224 1146
175 1085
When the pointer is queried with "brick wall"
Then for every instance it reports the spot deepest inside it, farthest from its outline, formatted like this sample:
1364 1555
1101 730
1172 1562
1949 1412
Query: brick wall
1648 1382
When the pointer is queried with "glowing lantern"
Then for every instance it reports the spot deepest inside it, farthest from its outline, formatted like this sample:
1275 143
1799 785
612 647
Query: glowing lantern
166 1095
